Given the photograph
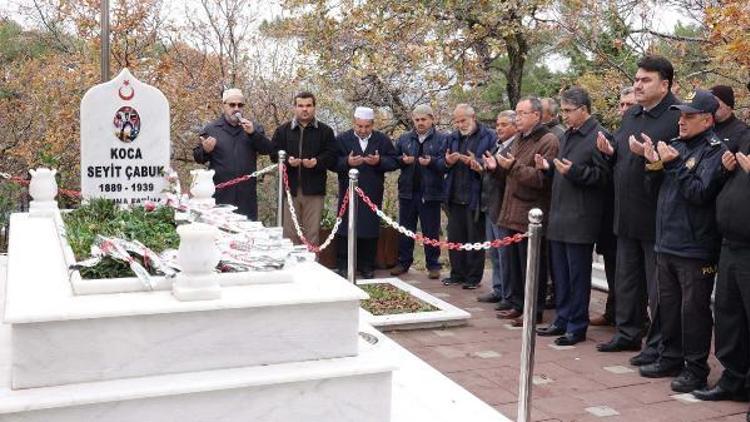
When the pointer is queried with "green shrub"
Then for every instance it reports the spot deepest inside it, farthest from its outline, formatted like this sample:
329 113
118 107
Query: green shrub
156 229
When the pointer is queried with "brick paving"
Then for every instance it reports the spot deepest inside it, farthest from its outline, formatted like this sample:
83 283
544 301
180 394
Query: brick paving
574 384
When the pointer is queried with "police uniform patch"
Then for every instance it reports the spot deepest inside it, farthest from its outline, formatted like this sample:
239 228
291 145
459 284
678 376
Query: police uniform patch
690 163
690 96
708 270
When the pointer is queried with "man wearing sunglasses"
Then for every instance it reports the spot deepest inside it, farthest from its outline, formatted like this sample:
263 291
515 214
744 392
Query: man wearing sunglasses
230 145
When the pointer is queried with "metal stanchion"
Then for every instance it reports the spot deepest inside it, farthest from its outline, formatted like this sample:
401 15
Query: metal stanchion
351 247
529 315
280 202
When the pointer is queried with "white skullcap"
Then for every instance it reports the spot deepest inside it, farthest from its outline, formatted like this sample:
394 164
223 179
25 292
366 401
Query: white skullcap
365 113
231 92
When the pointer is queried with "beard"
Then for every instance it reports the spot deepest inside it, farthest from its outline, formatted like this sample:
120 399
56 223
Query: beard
468 131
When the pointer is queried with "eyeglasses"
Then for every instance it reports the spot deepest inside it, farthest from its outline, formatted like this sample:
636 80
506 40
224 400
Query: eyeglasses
233 105
569 110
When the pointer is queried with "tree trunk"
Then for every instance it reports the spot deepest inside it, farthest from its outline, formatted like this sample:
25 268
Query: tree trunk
517 48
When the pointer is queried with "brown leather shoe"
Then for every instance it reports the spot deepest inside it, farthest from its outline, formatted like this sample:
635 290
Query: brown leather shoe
433 274
518 322
398 270
509 314
600 321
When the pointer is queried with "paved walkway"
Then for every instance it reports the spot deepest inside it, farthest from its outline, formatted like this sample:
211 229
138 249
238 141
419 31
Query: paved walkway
570 384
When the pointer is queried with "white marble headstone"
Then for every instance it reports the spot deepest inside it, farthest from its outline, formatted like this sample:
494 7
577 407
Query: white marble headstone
124 141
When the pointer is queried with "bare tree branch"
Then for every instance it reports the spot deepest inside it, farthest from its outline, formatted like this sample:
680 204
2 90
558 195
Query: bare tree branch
669 36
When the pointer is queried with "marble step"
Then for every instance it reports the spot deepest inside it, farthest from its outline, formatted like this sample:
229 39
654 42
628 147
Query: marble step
332 390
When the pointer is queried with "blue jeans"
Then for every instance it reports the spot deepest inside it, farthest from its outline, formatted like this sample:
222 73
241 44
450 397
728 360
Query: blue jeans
428 213
497 255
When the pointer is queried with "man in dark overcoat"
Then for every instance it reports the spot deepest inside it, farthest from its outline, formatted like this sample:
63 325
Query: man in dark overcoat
230 145
635 208
373 154
578 189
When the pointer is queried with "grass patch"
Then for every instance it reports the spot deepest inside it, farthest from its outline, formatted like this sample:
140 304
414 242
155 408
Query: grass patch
156 229
387 299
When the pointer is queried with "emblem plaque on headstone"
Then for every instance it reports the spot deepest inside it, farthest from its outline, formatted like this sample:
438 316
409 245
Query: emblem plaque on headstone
124 141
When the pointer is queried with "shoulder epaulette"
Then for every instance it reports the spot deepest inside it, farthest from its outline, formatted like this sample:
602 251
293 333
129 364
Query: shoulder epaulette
655 166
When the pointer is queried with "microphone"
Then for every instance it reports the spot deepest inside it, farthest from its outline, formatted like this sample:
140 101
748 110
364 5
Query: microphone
237 115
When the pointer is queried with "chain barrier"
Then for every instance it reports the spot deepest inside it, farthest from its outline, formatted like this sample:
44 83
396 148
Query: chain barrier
76 194
24 182
421 239
238 180
339 217
418 237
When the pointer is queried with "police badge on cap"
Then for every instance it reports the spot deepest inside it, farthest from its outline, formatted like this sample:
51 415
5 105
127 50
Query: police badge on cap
701 101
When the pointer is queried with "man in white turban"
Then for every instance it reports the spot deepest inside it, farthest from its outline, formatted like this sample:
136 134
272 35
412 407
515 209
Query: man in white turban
230 145
372 153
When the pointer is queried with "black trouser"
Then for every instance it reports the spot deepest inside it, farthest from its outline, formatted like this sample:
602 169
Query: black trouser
466 226
367 248
685 287
428 213
610 265
732 310
635 287
516 262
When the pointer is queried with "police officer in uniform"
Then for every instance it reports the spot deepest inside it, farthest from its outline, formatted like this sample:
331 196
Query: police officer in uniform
688 174
732 300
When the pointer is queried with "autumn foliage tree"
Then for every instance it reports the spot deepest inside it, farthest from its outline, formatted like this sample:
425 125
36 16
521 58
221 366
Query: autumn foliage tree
49 65
393 55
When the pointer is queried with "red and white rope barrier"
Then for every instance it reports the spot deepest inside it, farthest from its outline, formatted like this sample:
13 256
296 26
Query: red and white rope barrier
21 181
240 179
418 237
339 218
421 239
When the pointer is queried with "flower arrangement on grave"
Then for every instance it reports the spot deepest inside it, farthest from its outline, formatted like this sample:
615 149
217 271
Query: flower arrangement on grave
152 226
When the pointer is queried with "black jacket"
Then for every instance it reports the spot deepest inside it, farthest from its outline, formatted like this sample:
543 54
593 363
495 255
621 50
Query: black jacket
234 155
578 196
493 188
687 189
634 208
371 178
733 203
731 131
318 141
430 176
460 180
